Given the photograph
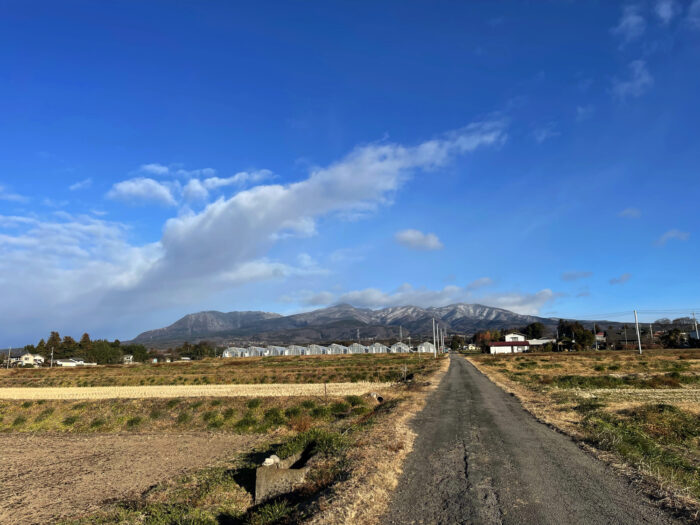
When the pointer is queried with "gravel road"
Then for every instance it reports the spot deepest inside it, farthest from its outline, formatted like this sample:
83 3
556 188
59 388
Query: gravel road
481 458
167 391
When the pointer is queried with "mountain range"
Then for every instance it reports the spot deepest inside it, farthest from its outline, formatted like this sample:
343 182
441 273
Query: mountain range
336 323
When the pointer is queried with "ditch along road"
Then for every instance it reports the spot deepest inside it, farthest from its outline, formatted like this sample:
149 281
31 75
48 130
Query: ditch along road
480 458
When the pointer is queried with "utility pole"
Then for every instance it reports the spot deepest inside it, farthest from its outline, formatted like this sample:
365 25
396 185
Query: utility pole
595 336
51 358
401 333
651 334
434 339
409 343
9 355
625 327
639 340
358 335
697 335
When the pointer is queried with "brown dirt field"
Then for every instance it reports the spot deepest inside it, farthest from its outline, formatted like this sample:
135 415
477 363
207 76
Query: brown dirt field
48 477
168 391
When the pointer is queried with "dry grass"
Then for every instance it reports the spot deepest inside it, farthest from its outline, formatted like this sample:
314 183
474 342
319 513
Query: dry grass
253 370
644 419
170 391
377 461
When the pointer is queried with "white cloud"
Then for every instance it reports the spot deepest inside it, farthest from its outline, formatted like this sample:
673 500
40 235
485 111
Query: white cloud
141 190
81 185
631 213
194 190
528 303
584 112
417 240
545 132
667 10
636 84
672 235
6 195
631 25
694 14
575 276
621 280
479 283
83 273
154 169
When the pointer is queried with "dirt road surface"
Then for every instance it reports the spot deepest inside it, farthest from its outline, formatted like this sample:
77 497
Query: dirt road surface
138 392
480 458
48 477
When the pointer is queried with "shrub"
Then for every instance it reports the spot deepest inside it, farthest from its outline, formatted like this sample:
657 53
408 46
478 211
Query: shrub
300 423
354 400
273 416
270 513
196 405
246 422
183 417
320 412
97 422
229 413
133 422
26 404
70 420
208 416
308 404
254 403
317 441
340 408
44 414
172 403
19 420
292 411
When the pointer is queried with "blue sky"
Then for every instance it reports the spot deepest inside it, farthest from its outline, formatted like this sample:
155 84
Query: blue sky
167 157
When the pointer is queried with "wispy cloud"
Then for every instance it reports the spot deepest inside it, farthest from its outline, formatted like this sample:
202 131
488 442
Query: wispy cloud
631 25
141 190
417 240
621 280
545 132
694 14
631 213
667 10
638 81
154 169
575 276
584 112
81 185
6 195
672 235
476 284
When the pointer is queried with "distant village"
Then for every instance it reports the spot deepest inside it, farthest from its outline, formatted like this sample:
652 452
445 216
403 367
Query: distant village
567 337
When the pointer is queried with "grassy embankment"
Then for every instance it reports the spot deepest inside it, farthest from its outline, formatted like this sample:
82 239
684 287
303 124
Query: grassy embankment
644 409
253 370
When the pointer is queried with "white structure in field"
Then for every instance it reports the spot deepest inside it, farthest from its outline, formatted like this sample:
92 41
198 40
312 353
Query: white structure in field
541 342
127 359
297 350
277 350
318 350
514 343
337 349
257 351
426 347
73 361
399 348
357 348
234 351
377 348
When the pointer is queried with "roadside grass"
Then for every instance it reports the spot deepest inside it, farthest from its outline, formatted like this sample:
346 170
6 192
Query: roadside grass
254 370
224 494
230 414
584 394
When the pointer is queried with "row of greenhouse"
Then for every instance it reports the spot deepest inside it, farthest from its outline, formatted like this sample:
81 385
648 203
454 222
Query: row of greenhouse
334 349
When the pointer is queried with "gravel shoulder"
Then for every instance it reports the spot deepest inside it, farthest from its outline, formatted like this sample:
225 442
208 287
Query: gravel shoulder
481 458
168 391
48 477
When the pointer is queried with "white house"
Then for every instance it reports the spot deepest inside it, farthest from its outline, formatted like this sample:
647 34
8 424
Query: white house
514 336
509 347
28 359
426 347
127 359
399 348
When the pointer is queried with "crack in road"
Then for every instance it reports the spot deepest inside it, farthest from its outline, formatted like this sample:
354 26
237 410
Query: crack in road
480 458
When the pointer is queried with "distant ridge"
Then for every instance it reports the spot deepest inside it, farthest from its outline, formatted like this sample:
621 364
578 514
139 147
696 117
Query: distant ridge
336 323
